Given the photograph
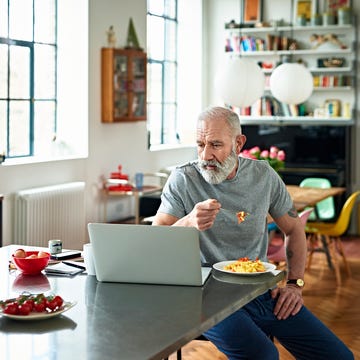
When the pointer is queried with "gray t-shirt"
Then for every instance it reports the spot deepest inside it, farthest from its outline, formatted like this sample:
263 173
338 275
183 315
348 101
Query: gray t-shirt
256 189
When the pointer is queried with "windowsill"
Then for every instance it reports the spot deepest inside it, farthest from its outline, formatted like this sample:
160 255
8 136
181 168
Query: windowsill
172 147
35 160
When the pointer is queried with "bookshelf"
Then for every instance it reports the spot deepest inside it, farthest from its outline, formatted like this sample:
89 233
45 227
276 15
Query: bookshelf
327 51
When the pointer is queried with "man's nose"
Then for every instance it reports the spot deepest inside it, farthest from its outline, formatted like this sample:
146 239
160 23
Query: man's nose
207 153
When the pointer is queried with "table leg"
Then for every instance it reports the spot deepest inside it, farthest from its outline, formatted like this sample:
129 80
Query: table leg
137 207
105 207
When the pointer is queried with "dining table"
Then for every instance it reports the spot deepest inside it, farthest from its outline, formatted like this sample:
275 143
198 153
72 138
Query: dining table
304 197
119 320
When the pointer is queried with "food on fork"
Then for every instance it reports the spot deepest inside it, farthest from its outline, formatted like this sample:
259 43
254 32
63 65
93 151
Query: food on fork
245 265
241 215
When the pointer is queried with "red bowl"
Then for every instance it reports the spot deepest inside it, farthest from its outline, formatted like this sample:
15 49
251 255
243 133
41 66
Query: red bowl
31 266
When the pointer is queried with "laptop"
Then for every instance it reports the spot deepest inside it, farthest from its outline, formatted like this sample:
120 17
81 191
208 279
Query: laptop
147 254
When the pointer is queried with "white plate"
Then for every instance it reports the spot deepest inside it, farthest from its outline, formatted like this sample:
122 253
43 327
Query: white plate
43 315
220 267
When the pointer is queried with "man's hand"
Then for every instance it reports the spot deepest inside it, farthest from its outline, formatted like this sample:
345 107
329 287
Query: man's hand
289 301
203 214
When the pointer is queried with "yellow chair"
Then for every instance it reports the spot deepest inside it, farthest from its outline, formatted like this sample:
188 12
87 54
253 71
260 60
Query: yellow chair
325 237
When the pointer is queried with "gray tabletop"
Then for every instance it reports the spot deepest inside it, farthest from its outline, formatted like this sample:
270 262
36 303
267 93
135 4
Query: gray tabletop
119 321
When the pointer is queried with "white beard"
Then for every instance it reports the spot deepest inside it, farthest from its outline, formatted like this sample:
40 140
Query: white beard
221 172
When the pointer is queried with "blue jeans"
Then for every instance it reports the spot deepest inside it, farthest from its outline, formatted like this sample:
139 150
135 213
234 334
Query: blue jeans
245 334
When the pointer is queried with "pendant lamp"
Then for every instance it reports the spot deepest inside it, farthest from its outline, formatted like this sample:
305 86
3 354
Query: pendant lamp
240 82
291 83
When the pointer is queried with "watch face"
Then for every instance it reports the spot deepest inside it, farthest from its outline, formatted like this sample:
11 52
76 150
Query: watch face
300 282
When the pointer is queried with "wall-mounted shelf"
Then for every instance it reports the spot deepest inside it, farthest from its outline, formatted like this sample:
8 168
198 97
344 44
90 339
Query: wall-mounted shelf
123 85
309 141
295 121
271 45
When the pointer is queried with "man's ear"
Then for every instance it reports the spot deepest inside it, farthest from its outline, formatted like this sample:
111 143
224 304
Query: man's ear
240 142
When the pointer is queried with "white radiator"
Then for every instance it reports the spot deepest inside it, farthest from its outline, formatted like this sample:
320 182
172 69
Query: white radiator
51 212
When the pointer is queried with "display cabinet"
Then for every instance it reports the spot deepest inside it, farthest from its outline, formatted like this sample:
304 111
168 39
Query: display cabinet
123 85
329 52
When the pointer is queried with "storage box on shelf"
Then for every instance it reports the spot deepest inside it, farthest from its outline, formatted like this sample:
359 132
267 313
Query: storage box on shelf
328 52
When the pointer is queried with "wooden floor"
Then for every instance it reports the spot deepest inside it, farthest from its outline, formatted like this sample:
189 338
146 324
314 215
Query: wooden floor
337 307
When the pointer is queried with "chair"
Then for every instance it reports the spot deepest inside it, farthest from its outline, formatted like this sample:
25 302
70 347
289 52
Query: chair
325 237
276 250
325 209
149 203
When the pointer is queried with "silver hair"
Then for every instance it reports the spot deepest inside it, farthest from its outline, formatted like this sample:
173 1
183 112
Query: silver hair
216 112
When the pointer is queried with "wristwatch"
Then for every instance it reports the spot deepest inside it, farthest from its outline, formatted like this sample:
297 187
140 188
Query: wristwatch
298 282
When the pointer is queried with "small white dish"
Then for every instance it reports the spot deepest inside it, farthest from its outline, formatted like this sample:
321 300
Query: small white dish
41 315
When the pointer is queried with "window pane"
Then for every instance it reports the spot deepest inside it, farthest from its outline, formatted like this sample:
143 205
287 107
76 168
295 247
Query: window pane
154 94
19 72
154 123
156 7
170 131
3 70
44 27
44 77
3 18
19 128
171 41
44 125
21 20
170 8
3 127
155 37
170 83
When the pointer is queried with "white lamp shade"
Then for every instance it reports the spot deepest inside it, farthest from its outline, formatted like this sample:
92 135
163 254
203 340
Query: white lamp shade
291 83
240 82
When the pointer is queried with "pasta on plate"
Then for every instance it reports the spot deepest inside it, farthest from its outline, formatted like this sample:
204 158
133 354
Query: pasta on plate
245 265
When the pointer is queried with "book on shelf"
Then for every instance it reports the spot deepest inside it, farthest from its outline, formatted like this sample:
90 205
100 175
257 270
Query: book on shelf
269 106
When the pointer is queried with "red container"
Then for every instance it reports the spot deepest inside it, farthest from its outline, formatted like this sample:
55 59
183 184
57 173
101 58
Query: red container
31 266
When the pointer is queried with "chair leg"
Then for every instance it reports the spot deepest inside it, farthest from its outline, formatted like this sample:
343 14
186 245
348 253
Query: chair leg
326 244
333 257
312 240
341 251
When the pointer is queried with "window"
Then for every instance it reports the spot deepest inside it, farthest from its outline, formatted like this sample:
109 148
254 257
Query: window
162 71
174 49
36 78
28 79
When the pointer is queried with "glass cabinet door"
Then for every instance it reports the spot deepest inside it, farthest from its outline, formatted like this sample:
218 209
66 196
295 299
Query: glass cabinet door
123 87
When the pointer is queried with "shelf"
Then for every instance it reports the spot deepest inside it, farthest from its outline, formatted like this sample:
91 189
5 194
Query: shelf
280 37
333 88
292 52
327 89
333 70
291 28
344 69
295 120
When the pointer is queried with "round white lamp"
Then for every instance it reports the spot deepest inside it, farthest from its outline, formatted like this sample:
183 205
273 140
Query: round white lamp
291 83
240 82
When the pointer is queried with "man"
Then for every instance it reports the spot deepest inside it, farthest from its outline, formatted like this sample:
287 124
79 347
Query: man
207 194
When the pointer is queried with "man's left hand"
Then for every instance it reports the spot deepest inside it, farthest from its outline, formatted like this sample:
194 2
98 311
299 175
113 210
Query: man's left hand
289 301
